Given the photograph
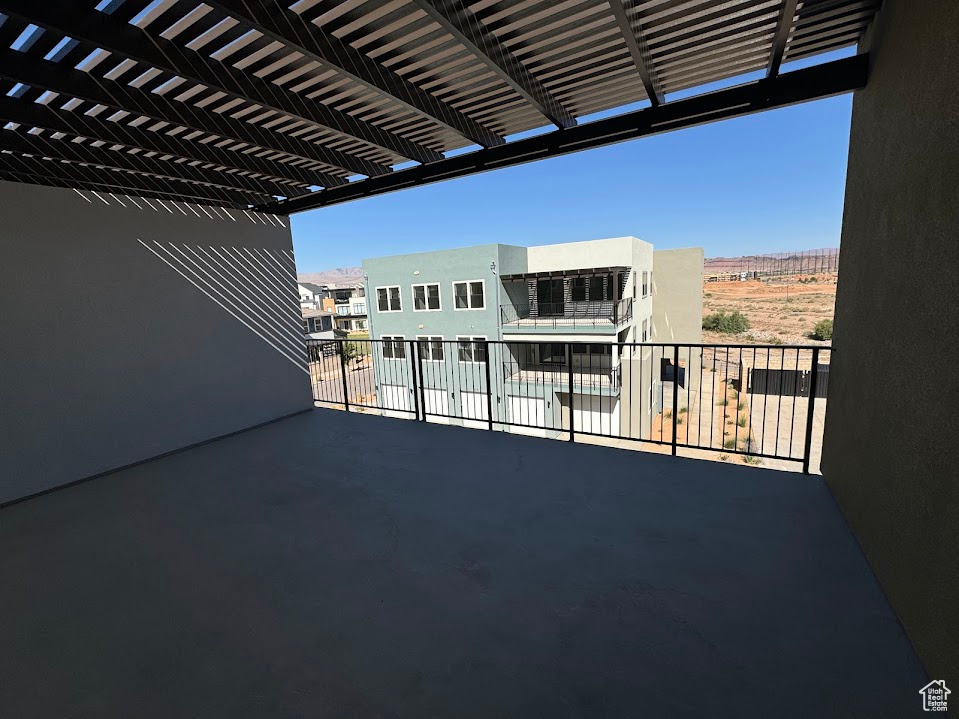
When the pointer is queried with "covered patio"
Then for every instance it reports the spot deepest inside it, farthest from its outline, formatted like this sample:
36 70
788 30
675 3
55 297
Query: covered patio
183 534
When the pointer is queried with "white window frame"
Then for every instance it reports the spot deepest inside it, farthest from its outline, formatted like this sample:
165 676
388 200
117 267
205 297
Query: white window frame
394 339
426 296
645 284
430 339
469 297
361 310
399 295
472 339
645 330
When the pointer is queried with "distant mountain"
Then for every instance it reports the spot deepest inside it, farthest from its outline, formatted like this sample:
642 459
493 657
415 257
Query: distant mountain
337 276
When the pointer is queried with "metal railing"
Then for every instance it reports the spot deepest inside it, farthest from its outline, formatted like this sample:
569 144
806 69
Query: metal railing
759 404
567 314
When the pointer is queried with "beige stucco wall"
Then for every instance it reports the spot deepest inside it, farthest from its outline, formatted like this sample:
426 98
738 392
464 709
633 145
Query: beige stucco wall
612 252
678 295
891 448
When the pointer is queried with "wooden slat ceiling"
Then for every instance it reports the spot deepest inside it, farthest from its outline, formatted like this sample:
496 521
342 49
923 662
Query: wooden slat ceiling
246 103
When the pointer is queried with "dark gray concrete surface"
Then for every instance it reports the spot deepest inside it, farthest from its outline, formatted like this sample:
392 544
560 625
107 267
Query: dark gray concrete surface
341 565
891 444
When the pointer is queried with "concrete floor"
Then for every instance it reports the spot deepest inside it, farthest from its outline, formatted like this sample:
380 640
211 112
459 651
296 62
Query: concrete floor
344 565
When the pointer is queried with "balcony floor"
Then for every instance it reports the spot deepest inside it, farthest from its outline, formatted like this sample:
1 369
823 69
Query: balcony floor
341 565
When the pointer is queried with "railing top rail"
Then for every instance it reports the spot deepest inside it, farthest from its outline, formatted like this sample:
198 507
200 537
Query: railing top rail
829 348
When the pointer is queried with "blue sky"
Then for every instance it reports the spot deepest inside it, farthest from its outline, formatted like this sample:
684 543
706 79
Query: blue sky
763 183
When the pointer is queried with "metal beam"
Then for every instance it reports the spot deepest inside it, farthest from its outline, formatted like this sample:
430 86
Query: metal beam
460 22
83 23
64 80
287 27
825 80
165 173
75 123
636 47
67 174
786 14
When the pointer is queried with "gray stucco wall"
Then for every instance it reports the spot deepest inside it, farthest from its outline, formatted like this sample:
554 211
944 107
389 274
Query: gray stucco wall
110 356
891 454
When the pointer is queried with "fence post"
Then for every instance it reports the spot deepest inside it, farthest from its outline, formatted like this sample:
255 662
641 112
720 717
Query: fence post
414 371
489 388
346 396
419 396
675 393
807 452
569 363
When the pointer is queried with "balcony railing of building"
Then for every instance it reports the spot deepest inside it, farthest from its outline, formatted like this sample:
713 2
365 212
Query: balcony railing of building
606 313
761 404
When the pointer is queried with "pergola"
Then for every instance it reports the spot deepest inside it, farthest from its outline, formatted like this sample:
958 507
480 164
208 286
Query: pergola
287 107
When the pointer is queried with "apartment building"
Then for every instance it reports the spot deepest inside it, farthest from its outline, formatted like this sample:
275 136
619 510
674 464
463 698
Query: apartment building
311 295
318 325
600 296
348 305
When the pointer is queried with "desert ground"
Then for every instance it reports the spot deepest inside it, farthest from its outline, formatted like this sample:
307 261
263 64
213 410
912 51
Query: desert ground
781 310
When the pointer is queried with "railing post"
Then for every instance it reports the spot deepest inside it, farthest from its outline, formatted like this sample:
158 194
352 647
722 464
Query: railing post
675 393
346 396
414 371
569 363
807 452
421 394
489 388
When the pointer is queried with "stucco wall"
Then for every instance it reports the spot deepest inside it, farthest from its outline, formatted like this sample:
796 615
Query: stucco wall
678 295
612 252
110 356
890 453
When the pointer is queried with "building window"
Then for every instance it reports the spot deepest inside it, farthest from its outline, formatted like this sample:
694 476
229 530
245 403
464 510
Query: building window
588 288
645 330
388 299
342 309
469 295
306 326
361 324
596 288
645 284
471 349
552 353
359 309
426 298
431 348
393 347
577 289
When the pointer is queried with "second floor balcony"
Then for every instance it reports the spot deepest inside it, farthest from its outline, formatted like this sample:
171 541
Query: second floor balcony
606 314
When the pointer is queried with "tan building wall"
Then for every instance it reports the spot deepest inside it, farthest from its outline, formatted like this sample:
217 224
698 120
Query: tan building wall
678 295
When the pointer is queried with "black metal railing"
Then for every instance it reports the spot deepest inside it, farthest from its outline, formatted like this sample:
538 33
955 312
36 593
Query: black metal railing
566 314
759 404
